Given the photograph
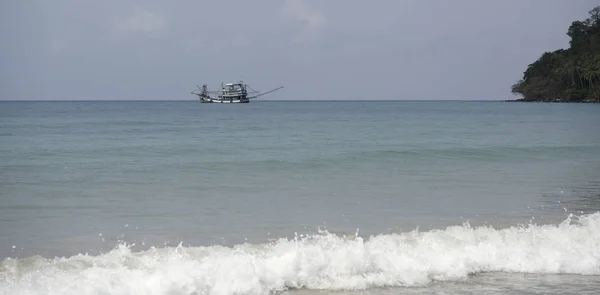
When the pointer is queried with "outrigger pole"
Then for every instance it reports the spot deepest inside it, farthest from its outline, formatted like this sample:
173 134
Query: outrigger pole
261 94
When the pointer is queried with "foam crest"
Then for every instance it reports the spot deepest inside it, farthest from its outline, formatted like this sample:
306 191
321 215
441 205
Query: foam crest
324 261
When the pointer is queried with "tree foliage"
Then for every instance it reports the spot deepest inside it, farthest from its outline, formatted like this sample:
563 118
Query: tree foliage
568 75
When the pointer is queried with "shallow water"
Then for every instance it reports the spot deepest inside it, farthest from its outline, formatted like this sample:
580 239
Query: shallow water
419 197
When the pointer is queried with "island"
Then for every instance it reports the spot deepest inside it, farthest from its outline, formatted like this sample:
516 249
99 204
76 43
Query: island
567 75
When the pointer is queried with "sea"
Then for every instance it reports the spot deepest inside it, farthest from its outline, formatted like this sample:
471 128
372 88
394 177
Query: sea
299 197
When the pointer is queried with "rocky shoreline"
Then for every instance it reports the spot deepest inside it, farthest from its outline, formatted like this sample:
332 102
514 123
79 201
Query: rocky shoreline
556 100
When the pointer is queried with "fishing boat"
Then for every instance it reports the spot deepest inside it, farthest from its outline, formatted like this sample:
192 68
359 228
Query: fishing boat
229 93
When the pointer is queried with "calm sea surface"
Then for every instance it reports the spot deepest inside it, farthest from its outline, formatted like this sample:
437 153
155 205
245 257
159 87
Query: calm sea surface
299 197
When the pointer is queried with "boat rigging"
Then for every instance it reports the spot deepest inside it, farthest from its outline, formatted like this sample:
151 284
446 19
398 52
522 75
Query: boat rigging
229 93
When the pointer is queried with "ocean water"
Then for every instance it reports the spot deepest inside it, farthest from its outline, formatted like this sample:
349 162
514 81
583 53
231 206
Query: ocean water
314 197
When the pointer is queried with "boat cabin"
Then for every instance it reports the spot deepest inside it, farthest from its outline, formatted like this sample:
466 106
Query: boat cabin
233 90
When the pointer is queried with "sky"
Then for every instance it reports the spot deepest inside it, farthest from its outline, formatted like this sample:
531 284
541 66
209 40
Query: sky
324 50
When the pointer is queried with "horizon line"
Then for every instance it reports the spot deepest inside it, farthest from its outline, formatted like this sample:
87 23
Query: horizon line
269 100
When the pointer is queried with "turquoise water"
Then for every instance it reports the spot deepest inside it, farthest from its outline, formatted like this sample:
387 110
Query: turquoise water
368 197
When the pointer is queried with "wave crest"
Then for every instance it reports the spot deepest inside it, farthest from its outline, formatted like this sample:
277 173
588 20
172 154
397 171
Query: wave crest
323 261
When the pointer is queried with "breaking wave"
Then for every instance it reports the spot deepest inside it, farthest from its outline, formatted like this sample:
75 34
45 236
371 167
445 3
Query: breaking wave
323 261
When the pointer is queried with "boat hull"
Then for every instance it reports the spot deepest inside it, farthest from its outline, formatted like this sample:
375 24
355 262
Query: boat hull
218 100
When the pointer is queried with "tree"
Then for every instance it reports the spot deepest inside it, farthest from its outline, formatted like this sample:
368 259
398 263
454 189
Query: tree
571 74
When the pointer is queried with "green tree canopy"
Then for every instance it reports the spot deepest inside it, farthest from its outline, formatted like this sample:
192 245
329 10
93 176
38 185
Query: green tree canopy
568 75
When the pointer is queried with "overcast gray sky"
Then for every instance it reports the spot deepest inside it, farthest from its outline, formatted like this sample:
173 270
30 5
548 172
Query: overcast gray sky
328 49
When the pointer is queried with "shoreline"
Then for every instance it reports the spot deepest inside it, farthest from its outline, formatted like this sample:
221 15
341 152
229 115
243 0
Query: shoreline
551 101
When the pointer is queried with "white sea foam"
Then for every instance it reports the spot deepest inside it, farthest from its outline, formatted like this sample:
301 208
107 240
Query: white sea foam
323 261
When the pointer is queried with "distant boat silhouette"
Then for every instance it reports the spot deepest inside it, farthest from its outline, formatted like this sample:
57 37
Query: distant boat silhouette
229 93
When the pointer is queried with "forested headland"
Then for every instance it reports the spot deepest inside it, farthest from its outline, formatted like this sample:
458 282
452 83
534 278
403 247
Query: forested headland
567 75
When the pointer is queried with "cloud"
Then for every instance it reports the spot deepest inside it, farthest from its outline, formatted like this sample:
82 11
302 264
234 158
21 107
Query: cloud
313 21
141 21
